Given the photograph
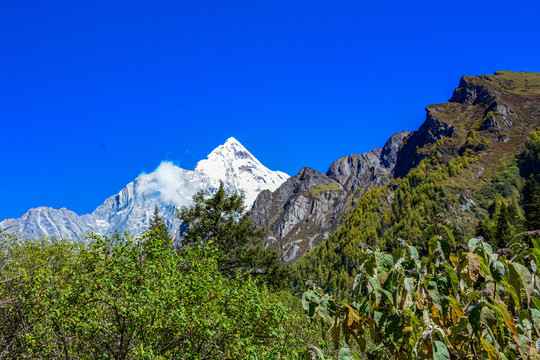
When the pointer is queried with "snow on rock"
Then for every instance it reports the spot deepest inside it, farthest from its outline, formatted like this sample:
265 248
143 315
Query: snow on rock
240 170
169 187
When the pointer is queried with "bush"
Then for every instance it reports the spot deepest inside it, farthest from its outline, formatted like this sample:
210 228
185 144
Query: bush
128 298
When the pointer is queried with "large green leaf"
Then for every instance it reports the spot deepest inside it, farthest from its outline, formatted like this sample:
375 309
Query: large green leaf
376 289
358 280
461 324
536 302
535 316
487 248
394 327
483 261
519 278
450 236
536 242
384 266
440 352
310 302
497 270
473 313
473 243
453 277
512 291
414 254
434 294
344 354
336 331
361 340
408 283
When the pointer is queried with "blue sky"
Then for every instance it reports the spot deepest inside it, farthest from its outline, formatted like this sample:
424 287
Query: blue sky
93 93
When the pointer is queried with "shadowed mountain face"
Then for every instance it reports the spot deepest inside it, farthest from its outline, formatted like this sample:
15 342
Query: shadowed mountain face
309 206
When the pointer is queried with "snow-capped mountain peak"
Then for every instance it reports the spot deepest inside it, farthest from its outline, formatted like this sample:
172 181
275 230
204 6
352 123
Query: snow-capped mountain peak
235 165
168 187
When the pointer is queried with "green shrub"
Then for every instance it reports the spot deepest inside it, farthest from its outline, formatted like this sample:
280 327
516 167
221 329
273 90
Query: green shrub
131 298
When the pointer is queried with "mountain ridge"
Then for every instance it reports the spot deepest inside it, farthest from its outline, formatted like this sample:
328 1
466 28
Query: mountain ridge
463 162
168 187
309 206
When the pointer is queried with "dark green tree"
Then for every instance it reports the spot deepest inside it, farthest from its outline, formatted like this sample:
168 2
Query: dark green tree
222 221
503 230
158 228
485 230
156 238
530 169
529 163
530 201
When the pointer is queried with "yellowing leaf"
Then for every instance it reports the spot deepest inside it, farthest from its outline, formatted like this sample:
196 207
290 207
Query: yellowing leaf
474 266
454 260
508 319
490 349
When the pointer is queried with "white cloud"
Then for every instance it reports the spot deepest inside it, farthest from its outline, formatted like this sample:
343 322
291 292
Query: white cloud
170 182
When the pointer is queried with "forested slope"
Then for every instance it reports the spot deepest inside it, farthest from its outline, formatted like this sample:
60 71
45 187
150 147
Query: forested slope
465 162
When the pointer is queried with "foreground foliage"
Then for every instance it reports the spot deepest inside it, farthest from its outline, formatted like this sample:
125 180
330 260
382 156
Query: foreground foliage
438 301
127 298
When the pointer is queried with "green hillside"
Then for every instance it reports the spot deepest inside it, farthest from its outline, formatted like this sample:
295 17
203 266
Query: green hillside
463 163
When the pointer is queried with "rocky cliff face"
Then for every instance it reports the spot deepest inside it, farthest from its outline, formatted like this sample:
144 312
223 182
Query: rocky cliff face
309 206
432 129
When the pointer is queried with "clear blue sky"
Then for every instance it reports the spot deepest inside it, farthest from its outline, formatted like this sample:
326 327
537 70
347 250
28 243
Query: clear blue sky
92 93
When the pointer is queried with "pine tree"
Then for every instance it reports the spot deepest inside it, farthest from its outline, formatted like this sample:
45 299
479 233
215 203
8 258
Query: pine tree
530 201
530 158
485 230
158 227
156 238
530 169
221 221
503 229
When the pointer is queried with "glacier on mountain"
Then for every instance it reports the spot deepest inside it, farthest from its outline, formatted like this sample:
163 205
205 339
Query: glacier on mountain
169 187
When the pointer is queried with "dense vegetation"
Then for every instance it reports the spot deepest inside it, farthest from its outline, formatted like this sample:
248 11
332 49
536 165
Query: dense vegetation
220 296
440 300
223 221
121 297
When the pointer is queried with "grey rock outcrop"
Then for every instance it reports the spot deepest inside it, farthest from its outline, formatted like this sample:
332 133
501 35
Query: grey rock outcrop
309 206
433 129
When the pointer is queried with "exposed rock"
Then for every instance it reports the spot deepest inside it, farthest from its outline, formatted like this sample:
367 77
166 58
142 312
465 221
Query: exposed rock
473 91
309 206
390 149
431 130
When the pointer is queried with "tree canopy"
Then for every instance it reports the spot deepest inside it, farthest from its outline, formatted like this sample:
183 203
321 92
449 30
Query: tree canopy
221 220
